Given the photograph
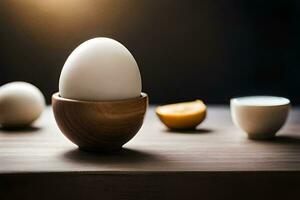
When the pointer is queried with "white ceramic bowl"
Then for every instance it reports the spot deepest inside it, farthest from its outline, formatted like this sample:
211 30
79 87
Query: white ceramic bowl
260 116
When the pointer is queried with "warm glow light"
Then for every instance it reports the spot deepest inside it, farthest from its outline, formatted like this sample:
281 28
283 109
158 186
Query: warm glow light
51 22
61 14
59 18
54 7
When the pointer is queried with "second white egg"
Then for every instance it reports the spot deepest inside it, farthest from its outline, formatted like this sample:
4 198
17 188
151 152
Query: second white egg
21 104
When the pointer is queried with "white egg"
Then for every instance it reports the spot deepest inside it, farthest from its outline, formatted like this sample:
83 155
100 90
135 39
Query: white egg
100 69
20 104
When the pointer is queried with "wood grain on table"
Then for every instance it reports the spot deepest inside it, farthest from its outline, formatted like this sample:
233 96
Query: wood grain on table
215 157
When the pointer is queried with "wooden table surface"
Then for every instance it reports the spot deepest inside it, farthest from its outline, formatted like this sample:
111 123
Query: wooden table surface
215 157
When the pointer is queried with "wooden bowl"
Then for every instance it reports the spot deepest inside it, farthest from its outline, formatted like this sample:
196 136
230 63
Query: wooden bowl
99 126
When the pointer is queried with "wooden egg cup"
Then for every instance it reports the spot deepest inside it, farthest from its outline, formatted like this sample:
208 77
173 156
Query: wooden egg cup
99 126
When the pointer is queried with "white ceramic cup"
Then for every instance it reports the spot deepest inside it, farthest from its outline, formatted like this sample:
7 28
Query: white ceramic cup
259 116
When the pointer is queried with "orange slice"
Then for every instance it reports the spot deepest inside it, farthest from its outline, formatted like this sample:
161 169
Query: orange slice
185 115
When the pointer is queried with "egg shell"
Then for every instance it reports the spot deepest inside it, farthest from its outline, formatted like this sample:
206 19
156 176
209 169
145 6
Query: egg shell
100 69
21 104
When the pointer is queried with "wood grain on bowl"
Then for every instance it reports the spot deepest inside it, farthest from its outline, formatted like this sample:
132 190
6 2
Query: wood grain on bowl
99 126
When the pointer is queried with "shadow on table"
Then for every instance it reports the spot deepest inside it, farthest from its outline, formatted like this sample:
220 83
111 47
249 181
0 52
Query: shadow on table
122 156
283 139
19 130
192 131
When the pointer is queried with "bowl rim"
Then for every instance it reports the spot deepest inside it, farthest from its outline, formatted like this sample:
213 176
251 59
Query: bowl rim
57 97
234 101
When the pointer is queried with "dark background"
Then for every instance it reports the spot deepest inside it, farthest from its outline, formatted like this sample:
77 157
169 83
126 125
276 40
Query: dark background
207 49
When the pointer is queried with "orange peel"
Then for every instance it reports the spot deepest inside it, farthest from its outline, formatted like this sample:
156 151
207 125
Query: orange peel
185 115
